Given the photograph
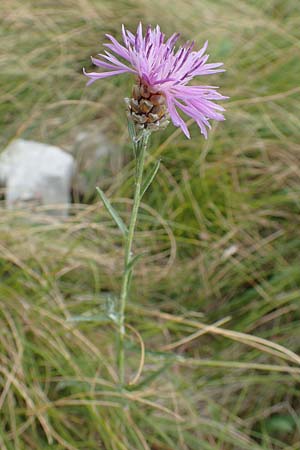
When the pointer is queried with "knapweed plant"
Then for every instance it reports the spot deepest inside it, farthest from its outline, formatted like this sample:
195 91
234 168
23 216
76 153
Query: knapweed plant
162 74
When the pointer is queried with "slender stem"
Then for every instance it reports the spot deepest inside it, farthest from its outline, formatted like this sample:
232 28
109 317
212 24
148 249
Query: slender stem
140 149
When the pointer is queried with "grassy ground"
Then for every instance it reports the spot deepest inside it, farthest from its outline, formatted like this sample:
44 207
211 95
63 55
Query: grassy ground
221 226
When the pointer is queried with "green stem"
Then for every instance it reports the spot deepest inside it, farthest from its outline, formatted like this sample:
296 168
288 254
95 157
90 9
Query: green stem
140 149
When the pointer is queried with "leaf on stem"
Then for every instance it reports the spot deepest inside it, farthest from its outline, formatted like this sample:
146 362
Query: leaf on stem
133 261
112 212
131 130
130 266
150 178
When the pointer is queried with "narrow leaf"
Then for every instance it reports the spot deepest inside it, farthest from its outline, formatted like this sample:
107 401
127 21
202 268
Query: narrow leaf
130 265
150 178
134 260
112 212
131 130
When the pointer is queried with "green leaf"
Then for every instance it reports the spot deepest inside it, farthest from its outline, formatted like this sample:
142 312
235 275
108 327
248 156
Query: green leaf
112 212
134 260
130 265
150 178
131 130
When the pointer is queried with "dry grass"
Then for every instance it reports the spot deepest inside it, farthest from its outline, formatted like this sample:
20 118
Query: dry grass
216 304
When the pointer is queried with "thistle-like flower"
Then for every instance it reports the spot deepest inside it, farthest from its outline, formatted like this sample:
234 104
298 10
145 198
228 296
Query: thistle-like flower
162 74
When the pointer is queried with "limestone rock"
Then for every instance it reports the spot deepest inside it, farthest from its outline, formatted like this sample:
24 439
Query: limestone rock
38 174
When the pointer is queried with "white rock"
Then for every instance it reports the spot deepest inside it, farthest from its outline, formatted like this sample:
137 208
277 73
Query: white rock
37 173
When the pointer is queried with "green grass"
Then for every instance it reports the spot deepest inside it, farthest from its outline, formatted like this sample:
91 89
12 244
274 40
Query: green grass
220 224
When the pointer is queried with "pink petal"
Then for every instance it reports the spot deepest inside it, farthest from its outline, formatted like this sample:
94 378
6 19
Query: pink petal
176 119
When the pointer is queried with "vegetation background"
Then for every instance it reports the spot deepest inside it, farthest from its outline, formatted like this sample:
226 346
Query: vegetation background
216 298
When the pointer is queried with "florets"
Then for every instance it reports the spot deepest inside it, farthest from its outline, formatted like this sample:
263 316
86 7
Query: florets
163 74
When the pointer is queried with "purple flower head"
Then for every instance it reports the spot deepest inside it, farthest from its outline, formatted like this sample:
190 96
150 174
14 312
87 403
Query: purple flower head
163 72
